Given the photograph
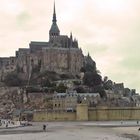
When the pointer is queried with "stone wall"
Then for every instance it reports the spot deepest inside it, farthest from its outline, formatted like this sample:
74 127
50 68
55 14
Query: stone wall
54 116
82 112
91 114
62 60
108 114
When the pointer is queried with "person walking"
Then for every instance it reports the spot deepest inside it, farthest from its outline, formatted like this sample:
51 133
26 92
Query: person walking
44 127
6 124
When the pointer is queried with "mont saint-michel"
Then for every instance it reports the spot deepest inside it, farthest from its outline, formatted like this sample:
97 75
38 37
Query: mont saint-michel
54 80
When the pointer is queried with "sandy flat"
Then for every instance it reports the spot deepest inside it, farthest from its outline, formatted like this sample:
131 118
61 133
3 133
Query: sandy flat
128 132
70 131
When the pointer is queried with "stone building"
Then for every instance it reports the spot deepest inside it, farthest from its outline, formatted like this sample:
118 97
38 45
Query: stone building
119 88
69 100
59 101
65 101
60 54
91 99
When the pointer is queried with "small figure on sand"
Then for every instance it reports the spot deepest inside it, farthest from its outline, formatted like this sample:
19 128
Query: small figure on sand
137 122
44 127
7 125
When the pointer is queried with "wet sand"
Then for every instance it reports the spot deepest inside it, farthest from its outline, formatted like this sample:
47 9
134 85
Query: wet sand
128 132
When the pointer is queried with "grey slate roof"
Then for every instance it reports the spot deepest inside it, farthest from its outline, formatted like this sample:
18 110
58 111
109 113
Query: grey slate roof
38 43
54 28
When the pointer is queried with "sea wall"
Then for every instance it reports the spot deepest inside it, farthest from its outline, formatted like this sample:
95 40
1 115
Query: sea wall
116 113
83 113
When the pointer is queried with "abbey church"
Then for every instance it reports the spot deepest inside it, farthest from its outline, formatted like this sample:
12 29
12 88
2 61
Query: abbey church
60 54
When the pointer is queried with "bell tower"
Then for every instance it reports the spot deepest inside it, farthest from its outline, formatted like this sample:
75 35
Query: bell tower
54 31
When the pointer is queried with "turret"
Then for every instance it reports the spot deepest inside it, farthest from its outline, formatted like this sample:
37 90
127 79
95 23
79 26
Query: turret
71 39
75 43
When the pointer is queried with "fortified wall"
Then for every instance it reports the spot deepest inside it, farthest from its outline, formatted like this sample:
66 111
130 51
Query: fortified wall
84 113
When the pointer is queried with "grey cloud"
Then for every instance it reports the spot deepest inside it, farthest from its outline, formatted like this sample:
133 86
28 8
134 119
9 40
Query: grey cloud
130 62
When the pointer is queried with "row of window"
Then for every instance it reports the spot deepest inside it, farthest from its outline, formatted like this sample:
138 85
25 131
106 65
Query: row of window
64 96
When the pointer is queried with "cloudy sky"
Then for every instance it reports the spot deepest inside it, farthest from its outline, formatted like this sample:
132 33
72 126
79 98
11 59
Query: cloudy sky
108 29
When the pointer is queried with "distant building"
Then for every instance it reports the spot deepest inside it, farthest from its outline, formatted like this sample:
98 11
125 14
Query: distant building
65 101
7 65
119 88
68 83
68 101
136 99
91 99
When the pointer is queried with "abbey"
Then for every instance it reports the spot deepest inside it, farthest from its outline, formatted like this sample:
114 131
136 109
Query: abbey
60 54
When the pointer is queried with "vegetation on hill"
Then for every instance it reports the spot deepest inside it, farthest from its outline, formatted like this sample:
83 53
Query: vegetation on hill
13 79
46 81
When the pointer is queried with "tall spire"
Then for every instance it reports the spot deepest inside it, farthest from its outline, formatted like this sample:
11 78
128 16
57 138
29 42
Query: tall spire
54 31
54 14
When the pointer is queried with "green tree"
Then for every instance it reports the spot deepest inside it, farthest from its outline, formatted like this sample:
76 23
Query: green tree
61 88
80 89
92 79
45 83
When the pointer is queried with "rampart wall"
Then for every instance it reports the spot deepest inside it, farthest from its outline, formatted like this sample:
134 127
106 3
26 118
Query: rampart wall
83 113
